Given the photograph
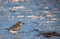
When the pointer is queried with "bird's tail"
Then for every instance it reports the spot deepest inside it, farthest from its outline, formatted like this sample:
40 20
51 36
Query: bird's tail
4 29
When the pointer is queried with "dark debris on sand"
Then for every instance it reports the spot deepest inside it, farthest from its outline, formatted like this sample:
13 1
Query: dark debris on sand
47 34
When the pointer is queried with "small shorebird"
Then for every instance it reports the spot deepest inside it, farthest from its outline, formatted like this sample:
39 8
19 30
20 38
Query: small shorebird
15 28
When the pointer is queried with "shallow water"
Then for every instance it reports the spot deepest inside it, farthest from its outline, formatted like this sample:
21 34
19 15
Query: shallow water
36 14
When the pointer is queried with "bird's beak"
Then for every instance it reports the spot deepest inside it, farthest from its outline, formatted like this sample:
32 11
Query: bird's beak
23 23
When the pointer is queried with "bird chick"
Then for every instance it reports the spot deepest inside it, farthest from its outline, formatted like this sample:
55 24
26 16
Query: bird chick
15 28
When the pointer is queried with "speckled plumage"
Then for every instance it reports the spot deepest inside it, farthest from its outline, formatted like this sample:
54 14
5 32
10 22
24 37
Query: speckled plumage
15 27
